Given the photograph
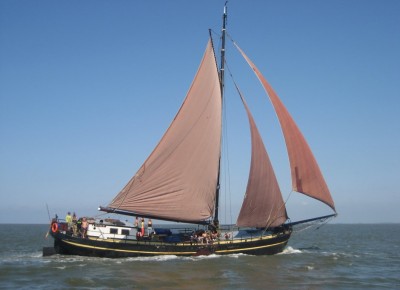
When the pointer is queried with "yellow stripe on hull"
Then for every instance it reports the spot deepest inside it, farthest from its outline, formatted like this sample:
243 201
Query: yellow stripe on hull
186 253
128 251
249 249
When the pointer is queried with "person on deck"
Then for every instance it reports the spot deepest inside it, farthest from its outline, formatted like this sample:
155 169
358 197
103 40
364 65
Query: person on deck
149 227
84 227
68 220
74 225
142 224
79 225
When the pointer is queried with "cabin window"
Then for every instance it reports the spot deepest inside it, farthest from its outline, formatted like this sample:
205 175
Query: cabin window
125 232
113 231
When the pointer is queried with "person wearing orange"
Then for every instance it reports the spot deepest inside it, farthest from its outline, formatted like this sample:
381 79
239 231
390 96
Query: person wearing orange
142 224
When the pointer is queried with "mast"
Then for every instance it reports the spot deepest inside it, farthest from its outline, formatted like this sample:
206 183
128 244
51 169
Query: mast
221 76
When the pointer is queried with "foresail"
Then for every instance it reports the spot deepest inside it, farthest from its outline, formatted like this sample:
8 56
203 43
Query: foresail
179 179
263 205
306 175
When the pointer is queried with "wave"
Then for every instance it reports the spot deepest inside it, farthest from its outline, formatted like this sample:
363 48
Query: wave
161 258
18 257
164 258
289 250
214 256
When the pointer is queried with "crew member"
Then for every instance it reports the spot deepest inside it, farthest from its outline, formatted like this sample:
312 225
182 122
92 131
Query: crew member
68 220
142 227
149 227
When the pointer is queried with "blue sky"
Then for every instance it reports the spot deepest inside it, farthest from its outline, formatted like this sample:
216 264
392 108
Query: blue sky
87 89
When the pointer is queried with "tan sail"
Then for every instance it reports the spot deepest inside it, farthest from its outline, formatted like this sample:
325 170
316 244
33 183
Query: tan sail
178 180
263 205
306 175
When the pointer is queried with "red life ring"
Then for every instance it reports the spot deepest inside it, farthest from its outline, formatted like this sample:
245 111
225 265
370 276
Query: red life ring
54 227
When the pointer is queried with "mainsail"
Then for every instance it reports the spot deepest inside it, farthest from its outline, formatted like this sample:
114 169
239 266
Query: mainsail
263 205
178 180
306 175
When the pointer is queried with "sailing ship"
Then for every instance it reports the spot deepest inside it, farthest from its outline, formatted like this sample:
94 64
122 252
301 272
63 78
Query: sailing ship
180 182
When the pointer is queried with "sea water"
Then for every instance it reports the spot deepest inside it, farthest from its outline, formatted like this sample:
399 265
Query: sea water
335 256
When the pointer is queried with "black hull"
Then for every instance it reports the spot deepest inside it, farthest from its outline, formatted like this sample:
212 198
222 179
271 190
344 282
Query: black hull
68 245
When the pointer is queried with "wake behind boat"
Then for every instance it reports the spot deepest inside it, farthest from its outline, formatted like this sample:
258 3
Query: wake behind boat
180 182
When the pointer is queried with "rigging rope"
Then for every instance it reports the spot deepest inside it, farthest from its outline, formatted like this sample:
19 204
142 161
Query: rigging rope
315 223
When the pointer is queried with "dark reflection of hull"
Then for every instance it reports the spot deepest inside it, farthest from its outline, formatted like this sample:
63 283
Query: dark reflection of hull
68 245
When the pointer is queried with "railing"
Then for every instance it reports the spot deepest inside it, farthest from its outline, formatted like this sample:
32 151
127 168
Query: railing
183 235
